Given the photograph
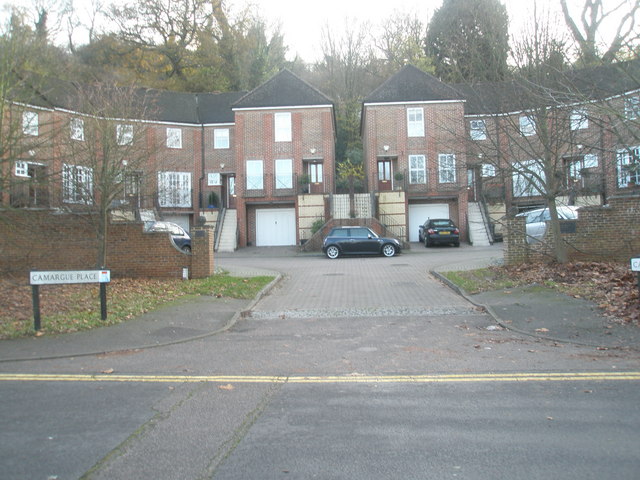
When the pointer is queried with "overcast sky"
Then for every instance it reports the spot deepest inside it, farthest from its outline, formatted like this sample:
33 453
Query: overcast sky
303 21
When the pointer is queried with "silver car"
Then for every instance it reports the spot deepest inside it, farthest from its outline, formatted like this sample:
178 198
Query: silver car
536 220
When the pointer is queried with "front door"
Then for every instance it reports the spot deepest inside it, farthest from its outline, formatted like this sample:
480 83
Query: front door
315 176
229 191
384 175
471 185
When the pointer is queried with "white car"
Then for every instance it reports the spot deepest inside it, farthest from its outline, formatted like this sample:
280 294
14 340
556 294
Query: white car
537 219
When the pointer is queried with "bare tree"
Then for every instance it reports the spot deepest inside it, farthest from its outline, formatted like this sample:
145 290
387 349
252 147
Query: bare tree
106 154
586 28
534 130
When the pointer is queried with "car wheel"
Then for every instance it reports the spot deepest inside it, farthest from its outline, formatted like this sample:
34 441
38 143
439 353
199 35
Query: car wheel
186 249
388 250
333 252
427 243
457 244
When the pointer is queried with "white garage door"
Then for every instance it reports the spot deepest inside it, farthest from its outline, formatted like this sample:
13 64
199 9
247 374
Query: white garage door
275 227
418 214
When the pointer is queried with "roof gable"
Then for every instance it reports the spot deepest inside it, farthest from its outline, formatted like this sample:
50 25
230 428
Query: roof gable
285 89
411 84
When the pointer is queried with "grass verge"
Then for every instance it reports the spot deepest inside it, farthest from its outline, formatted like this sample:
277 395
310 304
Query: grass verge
481 280
72 308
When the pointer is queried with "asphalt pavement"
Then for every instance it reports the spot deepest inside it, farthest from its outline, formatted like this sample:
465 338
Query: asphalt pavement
532 311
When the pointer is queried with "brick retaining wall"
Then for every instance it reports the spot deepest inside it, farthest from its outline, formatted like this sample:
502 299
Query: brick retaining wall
51 240
602 233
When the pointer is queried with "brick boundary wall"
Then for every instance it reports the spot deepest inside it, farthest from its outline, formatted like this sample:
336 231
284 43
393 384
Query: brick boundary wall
602 233
51 240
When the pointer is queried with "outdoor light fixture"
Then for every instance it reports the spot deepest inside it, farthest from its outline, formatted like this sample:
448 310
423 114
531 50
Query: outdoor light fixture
385 148
313 151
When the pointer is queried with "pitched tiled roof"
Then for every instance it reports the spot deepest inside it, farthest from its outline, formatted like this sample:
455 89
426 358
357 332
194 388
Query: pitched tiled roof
285 89
411 84
572 86
216 107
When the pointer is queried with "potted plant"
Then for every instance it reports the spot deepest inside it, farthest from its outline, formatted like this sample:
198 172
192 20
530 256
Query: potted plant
213 200
398 177
304 181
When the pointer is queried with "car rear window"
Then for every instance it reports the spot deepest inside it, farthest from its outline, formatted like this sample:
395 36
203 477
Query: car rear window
442 223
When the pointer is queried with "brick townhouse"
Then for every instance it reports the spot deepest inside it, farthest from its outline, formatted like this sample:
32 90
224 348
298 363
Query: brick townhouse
261 165
473 152
285 134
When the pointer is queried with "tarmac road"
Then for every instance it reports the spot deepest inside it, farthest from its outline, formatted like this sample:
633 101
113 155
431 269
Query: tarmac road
353 368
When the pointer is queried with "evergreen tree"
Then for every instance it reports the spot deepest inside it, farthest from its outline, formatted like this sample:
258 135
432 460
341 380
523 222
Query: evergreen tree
469 40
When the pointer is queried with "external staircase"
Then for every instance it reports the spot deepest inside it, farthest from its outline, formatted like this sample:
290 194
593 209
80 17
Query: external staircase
479 229
227 238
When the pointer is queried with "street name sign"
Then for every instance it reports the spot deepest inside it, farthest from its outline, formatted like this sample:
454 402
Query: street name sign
77 276
37 278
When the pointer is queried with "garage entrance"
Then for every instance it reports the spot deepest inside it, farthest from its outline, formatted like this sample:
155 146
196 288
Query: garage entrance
420 213
275 227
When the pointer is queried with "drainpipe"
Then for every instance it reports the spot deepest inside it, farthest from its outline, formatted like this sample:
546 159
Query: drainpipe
202 144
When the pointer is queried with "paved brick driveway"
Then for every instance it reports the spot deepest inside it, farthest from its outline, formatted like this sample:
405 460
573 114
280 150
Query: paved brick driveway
348 286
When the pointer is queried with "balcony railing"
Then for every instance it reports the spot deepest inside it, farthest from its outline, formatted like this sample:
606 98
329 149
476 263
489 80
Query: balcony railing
276 186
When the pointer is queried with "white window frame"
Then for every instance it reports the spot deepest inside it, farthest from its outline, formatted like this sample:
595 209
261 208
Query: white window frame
174 189
30 123
624 157
76 126
415 122
282 126
221 138
284 174
316 170
525 183
590 160
488 170
214 179
446 168
417 169
527 126
124 134
77 184
632 107
579 120
21 168
255 175
478 129
174 137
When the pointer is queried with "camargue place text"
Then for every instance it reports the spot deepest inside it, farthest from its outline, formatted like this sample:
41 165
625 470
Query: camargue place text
78 276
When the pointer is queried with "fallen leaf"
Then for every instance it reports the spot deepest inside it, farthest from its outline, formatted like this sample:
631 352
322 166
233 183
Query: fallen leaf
226 387
542 330
108 370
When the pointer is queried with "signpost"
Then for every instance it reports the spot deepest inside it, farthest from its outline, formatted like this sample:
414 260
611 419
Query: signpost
37 278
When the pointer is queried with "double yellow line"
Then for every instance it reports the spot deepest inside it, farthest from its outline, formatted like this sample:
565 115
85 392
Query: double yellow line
407 379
